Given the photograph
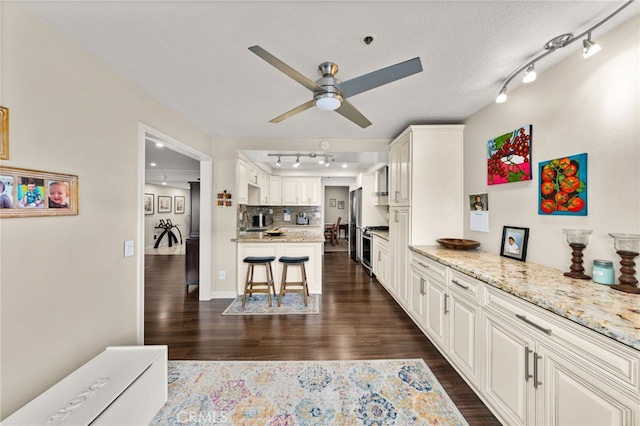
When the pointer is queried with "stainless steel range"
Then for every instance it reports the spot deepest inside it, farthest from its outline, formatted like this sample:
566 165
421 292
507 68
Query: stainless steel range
367 246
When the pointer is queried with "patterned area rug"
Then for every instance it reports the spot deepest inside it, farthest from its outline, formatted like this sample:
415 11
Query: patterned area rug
379 392
257 304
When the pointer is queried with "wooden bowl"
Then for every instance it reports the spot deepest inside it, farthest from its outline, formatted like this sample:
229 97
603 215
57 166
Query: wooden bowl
458 243
275 232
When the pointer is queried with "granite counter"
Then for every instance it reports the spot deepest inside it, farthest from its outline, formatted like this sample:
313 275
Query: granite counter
598 307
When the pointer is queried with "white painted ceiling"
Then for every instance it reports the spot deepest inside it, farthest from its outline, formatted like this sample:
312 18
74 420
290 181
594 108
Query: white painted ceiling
193 55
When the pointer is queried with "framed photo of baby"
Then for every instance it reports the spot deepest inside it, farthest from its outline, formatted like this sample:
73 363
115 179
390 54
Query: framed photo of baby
514 242
26 193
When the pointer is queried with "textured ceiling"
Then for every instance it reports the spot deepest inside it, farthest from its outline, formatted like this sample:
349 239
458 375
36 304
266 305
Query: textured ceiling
193 55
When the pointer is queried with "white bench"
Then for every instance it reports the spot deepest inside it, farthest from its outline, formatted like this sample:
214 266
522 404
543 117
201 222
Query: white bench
124 385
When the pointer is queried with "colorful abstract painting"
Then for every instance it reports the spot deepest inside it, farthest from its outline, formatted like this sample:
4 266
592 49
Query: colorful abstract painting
563 186
509 157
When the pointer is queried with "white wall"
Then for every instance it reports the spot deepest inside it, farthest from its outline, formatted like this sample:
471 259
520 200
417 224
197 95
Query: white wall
182 221
577 106
67 291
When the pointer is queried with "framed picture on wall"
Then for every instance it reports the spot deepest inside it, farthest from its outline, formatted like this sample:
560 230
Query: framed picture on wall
164 204
26 193
341 205
4 133
332 202
148 203
178 204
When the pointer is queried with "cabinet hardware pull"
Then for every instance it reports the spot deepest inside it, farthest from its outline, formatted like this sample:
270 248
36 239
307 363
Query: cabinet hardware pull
460 285
423 265
533 324
536 383
446 309
421 285
379 258
396 196
396 216
527 351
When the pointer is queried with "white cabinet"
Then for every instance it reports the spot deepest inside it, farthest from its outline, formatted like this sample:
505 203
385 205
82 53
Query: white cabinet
400 170
301 191
543 370
242 179
399 249
378 200
275 191
381 260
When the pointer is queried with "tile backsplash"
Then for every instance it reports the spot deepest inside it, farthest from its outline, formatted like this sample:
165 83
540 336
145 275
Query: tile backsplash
313 213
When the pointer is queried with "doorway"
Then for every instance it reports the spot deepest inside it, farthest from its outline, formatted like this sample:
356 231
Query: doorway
336 207
205 289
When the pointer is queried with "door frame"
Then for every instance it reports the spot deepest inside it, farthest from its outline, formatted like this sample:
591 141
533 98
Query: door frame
205 287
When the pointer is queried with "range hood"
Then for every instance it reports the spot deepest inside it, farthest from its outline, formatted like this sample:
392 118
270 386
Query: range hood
383 181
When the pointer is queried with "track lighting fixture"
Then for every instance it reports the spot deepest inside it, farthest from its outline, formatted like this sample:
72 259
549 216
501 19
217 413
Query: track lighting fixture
322 159
563 40
589 48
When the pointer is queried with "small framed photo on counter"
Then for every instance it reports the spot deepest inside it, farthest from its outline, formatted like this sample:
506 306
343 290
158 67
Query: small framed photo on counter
514 242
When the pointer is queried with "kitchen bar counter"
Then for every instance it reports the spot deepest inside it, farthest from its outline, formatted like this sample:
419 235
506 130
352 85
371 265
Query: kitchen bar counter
291 236
609 312
382 234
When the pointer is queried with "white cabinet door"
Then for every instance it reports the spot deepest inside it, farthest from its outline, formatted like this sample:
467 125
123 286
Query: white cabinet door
570 394
508 371
263 183
315 192
275 191
380 260
399 249
417 293
400 170
462 329
436 309
289 191
243 187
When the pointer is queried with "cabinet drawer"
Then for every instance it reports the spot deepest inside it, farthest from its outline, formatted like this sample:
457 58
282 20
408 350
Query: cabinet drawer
612 360
431 266
465 286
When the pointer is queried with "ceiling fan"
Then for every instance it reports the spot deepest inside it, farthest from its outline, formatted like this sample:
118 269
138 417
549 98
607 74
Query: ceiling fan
330 94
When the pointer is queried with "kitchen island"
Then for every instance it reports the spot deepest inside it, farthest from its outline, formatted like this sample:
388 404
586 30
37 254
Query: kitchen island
295 242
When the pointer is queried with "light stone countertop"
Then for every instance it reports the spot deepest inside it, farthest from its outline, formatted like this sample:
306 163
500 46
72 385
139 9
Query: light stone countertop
291 236
612 313
382 234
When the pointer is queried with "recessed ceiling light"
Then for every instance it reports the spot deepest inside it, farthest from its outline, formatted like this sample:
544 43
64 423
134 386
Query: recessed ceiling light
159 145
152 164
344 166
164 183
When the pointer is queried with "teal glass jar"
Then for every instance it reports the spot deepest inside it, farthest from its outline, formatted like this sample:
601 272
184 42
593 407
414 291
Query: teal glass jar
603 272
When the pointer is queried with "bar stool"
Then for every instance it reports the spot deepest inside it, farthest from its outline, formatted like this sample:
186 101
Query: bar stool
263 286
284 285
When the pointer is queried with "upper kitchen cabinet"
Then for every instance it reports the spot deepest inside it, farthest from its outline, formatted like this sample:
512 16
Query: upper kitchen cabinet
400 170
426 174
297 191
242 171
275 191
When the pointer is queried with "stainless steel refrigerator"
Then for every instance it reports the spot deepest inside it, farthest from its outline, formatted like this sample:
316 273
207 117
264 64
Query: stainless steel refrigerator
355 223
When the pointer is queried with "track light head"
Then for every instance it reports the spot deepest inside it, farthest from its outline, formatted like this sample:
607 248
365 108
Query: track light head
297 163
502 96
279 162
530 74
589 48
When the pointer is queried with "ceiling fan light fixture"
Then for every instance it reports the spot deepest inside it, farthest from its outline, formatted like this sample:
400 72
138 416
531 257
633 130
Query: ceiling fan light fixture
328 101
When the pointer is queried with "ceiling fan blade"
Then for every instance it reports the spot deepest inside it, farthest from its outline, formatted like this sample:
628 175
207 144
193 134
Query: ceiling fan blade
293 112
378 78
309 84
350 112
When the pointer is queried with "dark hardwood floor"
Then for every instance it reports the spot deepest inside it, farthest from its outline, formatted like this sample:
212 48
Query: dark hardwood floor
358 320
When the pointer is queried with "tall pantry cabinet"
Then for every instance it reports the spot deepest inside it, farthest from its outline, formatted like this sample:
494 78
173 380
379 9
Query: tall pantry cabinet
426 199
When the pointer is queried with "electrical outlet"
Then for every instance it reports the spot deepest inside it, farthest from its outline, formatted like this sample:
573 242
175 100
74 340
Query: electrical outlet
223 275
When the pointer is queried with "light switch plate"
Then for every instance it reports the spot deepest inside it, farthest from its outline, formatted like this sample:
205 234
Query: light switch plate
128 248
